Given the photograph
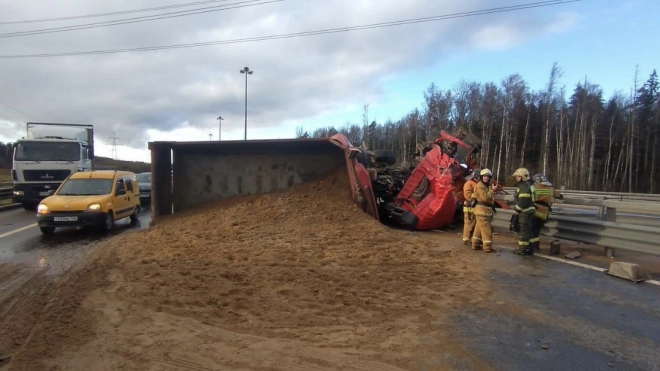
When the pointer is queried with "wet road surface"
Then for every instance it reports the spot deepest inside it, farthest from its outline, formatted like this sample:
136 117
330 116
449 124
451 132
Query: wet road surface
543 315
552 316
22 243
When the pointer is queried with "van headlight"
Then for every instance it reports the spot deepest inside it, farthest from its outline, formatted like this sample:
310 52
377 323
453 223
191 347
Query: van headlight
42 209
94 207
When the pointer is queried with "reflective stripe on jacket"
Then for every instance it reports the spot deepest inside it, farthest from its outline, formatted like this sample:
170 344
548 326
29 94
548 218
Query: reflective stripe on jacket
484 195
545 196
468 190
525 197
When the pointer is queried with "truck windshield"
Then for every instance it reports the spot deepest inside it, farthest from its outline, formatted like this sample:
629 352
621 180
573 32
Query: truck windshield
47 151
86 187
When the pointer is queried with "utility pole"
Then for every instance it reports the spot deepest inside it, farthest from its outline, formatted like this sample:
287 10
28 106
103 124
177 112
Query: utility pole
210 136
220 128
247 72
114 145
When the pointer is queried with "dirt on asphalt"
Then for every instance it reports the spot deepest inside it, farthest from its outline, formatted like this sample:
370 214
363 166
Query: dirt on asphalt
295 280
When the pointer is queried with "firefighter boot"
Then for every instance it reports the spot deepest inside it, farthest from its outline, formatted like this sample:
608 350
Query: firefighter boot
523 251
488 248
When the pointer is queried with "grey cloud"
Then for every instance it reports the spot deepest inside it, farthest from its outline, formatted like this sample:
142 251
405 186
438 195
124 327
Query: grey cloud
293 79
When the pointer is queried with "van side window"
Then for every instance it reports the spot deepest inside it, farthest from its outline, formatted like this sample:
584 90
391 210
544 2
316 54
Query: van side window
129 184
120 185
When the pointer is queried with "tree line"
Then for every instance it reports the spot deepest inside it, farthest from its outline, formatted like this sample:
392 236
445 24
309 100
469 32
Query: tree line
582 141
7 154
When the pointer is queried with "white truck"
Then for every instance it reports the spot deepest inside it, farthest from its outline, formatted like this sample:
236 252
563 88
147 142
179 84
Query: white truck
47 156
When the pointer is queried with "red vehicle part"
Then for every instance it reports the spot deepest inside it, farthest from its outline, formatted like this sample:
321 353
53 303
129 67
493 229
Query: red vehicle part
358 176
427 201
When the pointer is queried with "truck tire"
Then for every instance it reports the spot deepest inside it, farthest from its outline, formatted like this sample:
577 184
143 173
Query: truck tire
47 230
385 156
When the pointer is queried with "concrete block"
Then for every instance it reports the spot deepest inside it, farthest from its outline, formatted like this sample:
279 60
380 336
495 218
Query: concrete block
628 271
572 255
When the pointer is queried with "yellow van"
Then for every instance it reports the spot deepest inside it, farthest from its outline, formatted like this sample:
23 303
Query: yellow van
91 198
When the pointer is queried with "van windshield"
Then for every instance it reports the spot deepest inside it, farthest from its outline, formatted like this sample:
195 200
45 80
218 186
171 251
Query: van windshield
143 177
86 187
47 151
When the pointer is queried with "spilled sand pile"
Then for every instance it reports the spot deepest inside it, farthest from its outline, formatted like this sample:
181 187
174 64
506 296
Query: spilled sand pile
295 280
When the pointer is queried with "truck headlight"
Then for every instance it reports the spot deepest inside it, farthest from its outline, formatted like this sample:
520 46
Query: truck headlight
94 207
42 209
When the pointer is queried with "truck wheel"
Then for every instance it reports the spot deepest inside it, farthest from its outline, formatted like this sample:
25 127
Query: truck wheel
385 156
47 230
109 223
136 215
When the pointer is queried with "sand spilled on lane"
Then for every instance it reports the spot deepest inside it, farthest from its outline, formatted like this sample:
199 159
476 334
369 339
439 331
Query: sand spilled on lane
295 280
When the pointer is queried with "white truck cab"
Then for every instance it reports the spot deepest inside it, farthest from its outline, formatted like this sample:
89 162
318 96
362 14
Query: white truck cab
47 156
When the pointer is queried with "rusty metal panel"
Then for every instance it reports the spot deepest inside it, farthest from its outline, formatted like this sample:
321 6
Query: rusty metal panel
208 171
161 181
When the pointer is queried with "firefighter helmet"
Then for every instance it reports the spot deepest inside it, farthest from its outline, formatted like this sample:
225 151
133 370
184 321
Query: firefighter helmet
475 174
523 173
486 172
539 178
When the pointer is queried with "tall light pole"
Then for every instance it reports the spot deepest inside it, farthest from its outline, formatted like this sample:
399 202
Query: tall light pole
220 128
247 72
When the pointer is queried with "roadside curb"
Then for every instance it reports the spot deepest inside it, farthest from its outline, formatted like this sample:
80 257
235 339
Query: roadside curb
9 207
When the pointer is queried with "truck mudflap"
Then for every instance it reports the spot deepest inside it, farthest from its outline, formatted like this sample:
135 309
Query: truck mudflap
361 188
427 201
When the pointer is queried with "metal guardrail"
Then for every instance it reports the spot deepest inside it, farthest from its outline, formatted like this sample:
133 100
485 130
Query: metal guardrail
612 196
6 193
611 235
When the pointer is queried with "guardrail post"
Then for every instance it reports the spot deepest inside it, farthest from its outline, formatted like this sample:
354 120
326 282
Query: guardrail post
607 214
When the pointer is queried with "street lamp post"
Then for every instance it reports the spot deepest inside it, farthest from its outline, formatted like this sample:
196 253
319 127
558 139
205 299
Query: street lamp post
247 72
220 128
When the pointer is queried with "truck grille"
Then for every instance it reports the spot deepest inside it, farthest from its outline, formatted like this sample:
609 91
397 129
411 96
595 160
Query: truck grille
45 175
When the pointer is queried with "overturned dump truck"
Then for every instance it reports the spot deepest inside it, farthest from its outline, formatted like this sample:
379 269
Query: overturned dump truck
416 196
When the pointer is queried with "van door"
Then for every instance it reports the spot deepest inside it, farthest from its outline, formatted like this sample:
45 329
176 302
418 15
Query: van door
132 190
121 202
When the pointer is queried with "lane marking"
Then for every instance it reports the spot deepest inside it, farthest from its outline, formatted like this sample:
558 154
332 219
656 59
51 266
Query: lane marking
578 264
18 230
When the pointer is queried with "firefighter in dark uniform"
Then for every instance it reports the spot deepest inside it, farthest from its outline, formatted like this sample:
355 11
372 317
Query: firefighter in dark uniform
524 199
545 196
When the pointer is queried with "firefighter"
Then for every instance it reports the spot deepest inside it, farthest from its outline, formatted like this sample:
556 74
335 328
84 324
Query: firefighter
468 213
546 195
458 182
524 199
484 194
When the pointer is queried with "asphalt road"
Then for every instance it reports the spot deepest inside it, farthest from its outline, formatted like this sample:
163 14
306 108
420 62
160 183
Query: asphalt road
21 242
542 315
548 315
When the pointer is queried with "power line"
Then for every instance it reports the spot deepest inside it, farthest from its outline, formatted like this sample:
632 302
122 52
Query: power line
120 12
15 109
181 13
301 34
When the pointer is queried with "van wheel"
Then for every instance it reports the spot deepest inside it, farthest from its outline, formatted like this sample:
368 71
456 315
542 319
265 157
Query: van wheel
47 230
136 214
109 223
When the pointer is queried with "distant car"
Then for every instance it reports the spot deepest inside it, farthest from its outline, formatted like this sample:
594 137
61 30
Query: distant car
144 185
90 198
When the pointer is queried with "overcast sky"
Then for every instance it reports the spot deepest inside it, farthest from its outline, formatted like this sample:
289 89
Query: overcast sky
313 81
